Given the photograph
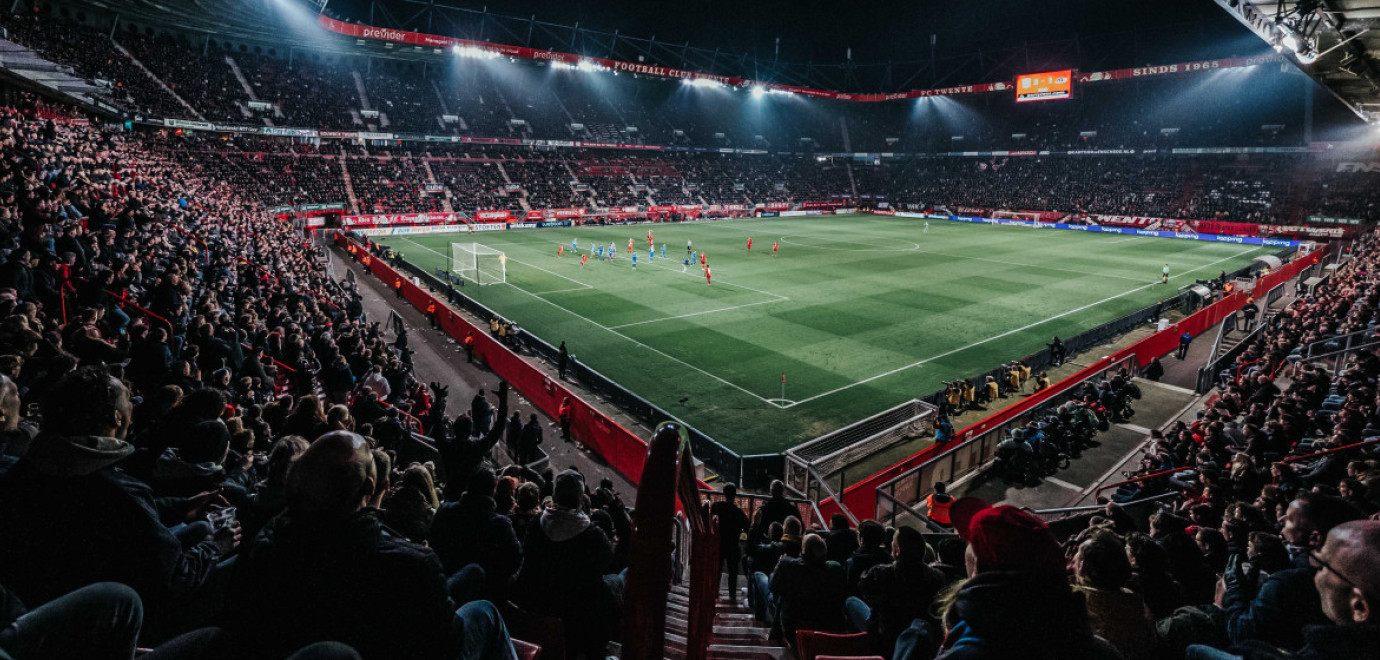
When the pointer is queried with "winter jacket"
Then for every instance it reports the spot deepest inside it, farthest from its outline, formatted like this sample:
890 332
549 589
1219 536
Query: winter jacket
563 563
70 518
809 595
352 581
1028 615
1276 612
471 532
898 593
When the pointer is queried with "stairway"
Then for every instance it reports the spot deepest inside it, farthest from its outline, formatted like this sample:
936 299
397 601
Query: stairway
156 79
349 187
737 636
239 75
359 88
431 178
522 199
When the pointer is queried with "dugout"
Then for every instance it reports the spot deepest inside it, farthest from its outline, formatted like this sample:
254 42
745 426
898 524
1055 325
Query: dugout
1193 297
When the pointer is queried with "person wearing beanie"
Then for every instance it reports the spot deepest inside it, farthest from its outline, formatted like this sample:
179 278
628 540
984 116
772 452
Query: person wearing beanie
895 594
1017 601
562 571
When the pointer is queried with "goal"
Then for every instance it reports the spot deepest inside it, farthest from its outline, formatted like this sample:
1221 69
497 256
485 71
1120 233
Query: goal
479 263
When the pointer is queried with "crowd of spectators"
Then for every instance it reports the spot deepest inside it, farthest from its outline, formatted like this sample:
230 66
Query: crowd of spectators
1262 543
93 56
391 185
205 445
205 82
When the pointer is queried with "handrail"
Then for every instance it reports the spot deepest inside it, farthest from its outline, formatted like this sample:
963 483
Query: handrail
832 496
1099 507
1333 450
667 475
1137 480
926 520
139 307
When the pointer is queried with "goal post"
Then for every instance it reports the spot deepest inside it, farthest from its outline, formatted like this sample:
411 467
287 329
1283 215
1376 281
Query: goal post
479 263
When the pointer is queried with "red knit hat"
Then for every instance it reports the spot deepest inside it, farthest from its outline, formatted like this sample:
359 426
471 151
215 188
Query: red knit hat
1005 538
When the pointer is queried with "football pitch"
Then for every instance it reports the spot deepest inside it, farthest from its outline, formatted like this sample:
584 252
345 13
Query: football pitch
860 313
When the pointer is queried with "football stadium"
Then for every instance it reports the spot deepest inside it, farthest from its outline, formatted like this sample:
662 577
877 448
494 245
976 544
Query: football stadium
438 329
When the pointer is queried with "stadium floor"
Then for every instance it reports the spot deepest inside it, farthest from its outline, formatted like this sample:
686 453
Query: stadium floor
860 313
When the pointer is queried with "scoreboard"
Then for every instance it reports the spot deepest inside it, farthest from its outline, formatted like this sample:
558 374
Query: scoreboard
1044 86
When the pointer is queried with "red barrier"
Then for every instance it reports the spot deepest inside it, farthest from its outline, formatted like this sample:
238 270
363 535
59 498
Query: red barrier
862 496
623 450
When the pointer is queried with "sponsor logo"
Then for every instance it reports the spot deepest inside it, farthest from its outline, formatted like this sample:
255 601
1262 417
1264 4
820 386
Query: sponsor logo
1228 239
1358 168
1180 234
524 225
384 33
1276 242
1146 232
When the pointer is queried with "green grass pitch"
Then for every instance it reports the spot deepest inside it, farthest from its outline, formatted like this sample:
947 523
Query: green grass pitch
860 313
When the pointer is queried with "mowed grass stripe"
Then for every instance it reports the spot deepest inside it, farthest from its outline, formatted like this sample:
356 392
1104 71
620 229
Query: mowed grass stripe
852 314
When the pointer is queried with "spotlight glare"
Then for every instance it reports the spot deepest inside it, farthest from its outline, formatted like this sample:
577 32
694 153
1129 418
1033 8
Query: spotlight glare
472 52
758 91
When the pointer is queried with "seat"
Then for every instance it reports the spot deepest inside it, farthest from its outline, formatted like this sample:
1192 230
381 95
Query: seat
526 651
813 644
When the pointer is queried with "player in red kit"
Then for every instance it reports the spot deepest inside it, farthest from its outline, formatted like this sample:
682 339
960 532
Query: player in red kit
584 260
560 249
749 245
708 277
776 245
704 260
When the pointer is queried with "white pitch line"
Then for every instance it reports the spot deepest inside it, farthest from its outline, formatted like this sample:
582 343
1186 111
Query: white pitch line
630 339
545 293
917 250
1009 332
583 286
1064 484
707 311
1123 240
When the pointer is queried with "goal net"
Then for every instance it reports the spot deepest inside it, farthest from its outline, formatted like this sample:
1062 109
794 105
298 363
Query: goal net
478 263
1016 215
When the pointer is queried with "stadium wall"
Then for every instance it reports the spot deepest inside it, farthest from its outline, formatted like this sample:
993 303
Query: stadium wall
862 496
623 449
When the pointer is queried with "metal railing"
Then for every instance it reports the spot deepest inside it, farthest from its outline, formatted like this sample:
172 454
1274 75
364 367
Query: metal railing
1135 480
974 454
903 508
1098 507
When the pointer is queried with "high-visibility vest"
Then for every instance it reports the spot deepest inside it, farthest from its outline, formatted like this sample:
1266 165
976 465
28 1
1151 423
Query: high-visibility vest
939 508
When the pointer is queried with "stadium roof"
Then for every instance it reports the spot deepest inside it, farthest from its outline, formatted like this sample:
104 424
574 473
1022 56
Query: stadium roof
869 47
1336 42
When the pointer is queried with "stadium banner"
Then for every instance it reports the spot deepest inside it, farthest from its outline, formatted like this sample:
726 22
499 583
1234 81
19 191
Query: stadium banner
1223 227
1325 220
768 214
1180 68
194 125
523 225
486 49
1359 167
401 219
555 223
406 231
1303 230
363 135
290 132
1217 238
339 135
488 226
490 216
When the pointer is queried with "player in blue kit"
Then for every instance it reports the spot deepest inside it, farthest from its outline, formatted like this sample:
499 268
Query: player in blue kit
634 256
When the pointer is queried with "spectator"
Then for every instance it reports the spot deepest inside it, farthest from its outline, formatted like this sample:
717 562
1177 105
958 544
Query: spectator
70 475
290 589
871 552
470 532
562 572
732 523
1016 602
807 592
1101 571
895 594
842 540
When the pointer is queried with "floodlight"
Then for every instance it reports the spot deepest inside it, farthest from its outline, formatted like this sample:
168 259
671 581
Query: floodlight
758 91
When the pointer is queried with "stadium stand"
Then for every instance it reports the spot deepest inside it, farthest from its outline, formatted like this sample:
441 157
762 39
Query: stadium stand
169 348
